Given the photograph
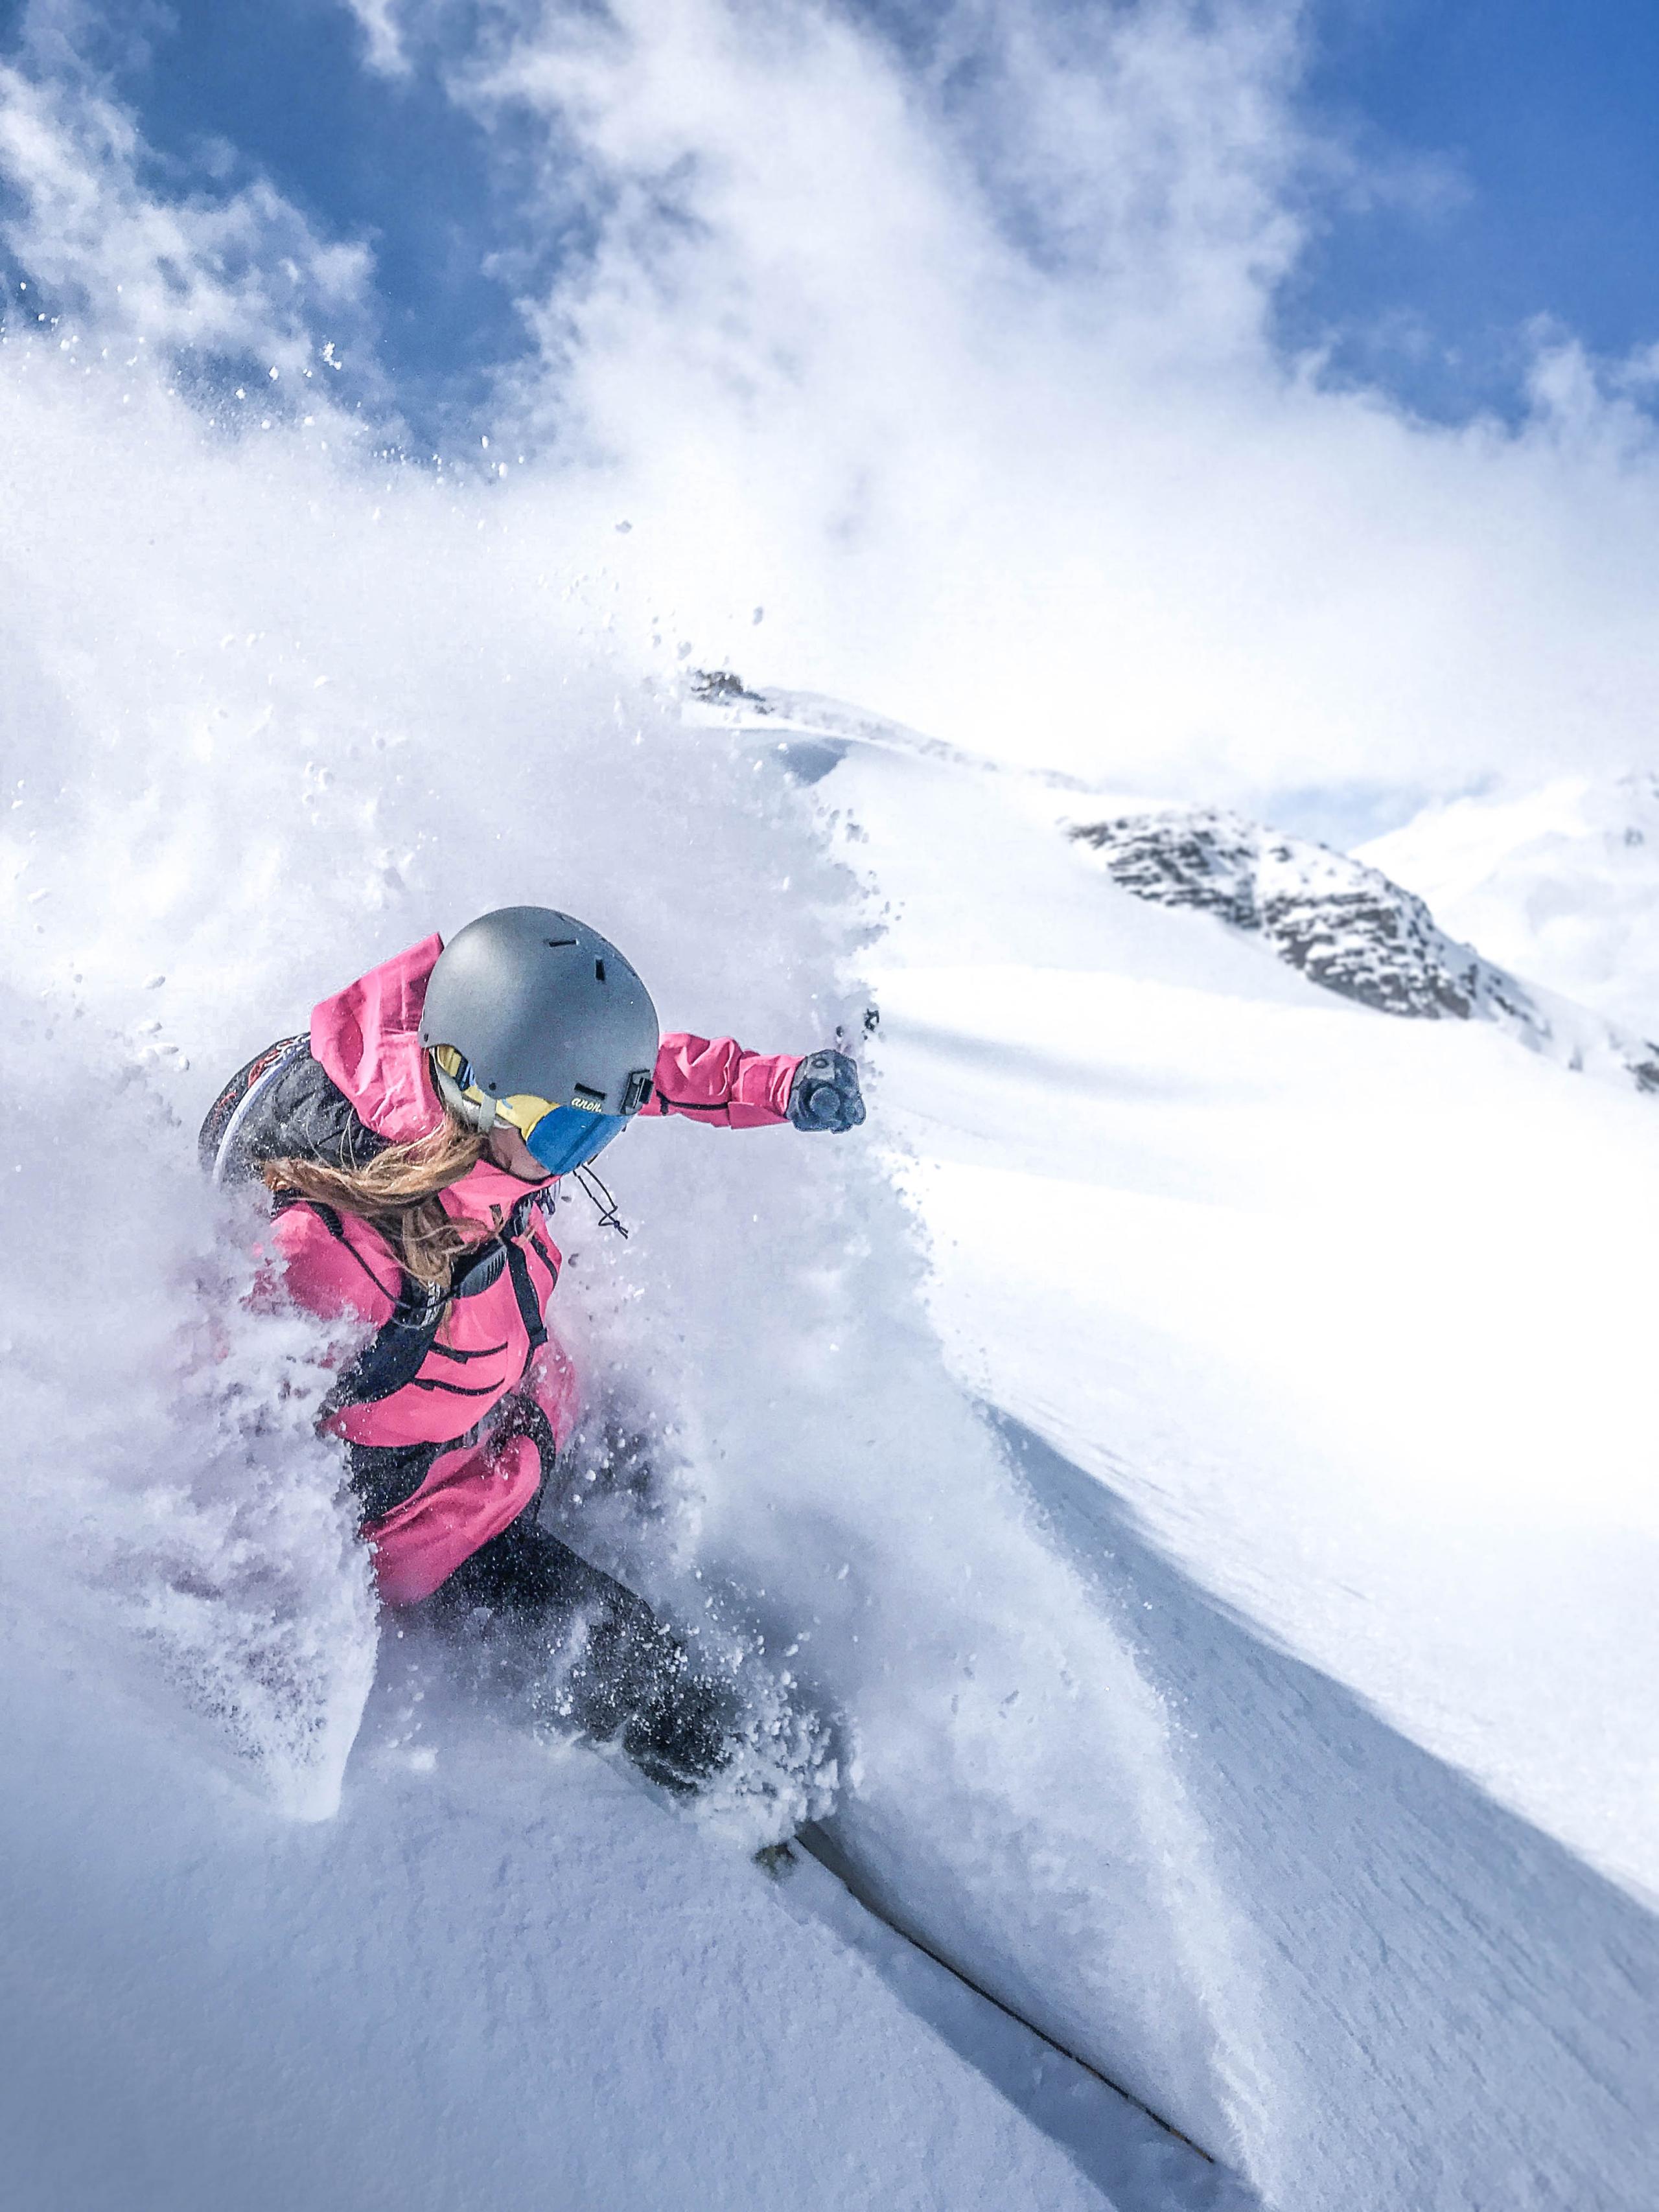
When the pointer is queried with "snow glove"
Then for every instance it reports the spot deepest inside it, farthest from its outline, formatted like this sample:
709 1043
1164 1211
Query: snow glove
824 1094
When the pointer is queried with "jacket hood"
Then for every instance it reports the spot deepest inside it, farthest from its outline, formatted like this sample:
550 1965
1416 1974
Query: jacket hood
368 1039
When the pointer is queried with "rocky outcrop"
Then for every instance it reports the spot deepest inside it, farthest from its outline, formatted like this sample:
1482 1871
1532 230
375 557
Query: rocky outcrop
1345 926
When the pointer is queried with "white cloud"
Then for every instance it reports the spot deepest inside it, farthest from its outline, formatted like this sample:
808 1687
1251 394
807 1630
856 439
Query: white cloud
962 364
238 271
383 40
967 376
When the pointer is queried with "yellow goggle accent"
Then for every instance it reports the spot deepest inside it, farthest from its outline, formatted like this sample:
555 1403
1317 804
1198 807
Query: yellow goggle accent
523 1109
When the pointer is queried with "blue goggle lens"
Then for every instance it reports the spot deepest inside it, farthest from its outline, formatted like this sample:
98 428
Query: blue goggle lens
570 1136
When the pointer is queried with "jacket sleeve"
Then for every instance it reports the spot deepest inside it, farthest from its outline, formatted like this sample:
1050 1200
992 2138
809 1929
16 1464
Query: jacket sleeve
719 1083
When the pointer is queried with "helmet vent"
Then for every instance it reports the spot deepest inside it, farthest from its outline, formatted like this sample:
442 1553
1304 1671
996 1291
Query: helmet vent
598 971
553 944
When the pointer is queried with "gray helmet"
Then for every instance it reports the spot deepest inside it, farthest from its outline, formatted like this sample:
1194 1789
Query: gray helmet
536 1001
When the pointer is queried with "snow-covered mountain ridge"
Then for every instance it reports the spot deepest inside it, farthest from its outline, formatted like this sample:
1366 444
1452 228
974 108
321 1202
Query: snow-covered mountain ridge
1336 918
1347 925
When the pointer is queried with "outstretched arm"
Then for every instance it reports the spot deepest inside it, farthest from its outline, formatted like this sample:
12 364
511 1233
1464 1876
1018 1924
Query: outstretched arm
718 1082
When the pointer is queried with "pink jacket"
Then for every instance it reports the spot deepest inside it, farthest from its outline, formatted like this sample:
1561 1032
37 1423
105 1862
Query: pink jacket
492 1342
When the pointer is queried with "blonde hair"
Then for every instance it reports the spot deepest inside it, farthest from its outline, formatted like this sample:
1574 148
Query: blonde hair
397 1192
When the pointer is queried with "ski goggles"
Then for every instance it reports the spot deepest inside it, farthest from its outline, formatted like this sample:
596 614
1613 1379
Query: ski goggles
558 1138
563 1137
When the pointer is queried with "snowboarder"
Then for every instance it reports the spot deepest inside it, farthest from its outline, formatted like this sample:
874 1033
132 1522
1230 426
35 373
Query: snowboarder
412 1142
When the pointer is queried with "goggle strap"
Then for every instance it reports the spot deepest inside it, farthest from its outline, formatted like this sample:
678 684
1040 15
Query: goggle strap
473 1107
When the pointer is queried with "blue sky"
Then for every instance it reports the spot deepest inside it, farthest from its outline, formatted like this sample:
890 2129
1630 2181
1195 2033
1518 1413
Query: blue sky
1541 113
224 90
1520 136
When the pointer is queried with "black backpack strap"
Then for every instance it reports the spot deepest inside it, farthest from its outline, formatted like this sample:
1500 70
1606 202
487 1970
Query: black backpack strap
521 1225
529 1306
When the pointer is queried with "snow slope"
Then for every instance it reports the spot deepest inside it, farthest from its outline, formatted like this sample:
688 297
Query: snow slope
1350 928
1324 1336
1234 1227
500 1975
